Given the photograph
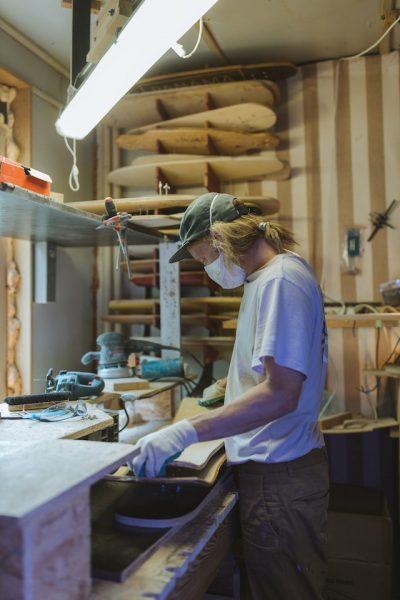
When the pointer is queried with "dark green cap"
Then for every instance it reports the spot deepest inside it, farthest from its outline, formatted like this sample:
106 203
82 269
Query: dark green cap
196 220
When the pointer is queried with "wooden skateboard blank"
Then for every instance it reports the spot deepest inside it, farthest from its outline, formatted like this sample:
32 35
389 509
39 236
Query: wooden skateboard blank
176 201
198 141
248 116
271 71
180 171
218 303
136 110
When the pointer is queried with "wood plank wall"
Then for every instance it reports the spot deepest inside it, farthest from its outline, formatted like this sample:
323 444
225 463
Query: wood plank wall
343 143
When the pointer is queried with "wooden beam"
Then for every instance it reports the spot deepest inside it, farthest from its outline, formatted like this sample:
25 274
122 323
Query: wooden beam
388 15
162 111
162 179
211 180
95 5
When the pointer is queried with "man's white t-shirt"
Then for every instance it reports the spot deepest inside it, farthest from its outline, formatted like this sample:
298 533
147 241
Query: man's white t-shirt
281 316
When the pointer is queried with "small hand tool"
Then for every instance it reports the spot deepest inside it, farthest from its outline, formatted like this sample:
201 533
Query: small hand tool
115 221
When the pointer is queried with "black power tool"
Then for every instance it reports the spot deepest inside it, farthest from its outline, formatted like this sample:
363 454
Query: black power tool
67 385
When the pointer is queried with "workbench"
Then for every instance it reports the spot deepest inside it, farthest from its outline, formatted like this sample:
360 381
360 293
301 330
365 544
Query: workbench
20 431
45 514
182 563
46 476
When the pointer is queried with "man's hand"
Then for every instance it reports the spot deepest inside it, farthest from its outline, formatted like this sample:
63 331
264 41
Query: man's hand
161 447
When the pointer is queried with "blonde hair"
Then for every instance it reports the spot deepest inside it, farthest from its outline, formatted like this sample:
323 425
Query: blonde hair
235 238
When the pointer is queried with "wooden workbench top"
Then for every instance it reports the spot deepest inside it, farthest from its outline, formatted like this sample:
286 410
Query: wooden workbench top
36 474
27 430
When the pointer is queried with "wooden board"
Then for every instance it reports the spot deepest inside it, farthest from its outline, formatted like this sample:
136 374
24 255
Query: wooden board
84 462
181 171
271 71
177 475
376 320
193 319
125 383
188 305
186 278
248 116
147 561
136 110
151 265
35 431
266 205
193 140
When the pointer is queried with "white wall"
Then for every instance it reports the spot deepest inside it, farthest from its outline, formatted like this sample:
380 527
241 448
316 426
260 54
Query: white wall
60 331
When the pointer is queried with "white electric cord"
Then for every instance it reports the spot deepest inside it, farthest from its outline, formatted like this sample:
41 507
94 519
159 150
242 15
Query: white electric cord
334 391
336 88
179 49
73 179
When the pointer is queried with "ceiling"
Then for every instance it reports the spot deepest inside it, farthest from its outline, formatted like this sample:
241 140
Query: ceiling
300 31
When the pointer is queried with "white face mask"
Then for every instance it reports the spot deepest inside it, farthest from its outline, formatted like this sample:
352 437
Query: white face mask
219 272
226 278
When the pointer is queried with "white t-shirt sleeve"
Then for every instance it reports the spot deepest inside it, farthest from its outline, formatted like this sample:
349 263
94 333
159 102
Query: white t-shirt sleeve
285 326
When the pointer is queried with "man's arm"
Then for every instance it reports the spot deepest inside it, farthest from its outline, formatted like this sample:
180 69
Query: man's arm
265 402
275 397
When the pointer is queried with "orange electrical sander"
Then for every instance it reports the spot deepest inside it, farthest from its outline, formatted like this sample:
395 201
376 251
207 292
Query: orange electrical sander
14 174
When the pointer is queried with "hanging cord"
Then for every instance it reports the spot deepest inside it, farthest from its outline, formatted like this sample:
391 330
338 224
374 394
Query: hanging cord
73 179
179 49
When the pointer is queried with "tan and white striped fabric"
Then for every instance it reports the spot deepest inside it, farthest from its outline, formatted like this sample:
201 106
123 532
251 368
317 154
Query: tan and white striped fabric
344 150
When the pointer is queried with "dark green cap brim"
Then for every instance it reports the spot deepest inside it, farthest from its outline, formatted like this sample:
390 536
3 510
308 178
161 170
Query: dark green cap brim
196 220
181 254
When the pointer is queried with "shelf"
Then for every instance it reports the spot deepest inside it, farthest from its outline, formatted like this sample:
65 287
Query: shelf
29 216
349 321
363 320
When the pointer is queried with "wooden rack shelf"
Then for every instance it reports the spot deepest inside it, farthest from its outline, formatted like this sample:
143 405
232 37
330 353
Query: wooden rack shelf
348 321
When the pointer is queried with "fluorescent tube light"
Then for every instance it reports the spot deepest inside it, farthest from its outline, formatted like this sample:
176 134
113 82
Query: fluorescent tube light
153 28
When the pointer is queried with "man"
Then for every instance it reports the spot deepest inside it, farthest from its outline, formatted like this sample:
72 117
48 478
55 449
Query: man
274 387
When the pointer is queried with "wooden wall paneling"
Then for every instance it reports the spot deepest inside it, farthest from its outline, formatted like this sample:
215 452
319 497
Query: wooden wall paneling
313 177
377 169
282 128
18 256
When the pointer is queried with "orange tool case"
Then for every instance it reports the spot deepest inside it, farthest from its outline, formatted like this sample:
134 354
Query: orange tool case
13 173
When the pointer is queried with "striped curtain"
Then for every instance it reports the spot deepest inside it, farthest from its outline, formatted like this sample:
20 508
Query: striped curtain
340 131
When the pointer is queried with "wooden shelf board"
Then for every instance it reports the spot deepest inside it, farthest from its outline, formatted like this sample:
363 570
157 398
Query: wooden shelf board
29 216
349 321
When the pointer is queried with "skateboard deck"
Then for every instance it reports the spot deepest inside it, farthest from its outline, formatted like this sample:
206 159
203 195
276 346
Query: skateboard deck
135 110
181 170
247 116
268 71
198 141
266 205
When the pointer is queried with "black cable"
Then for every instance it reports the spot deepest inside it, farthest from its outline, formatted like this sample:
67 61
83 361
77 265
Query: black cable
127 418
182 380
392 352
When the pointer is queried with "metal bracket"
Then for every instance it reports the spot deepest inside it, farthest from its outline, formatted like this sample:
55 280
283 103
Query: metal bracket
45 257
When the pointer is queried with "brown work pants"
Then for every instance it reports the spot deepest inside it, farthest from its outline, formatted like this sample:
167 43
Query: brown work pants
283 512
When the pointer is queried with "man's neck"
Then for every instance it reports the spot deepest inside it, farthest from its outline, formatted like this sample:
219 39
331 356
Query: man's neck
259 255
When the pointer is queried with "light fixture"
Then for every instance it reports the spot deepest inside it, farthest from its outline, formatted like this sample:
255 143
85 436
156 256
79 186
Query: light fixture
153 28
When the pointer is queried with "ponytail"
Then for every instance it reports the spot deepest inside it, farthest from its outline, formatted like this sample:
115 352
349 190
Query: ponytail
235 238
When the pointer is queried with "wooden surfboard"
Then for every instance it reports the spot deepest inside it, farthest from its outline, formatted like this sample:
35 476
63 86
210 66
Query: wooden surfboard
192 140
135 110
267 206
268 71
248 116
181 170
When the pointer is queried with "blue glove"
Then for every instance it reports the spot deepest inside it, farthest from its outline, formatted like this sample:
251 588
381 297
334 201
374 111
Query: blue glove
161 447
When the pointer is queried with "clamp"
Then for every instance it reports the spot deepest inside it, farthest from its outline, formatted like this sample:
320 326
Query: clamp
116 221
